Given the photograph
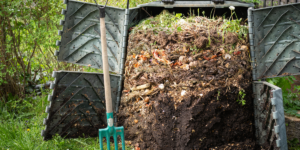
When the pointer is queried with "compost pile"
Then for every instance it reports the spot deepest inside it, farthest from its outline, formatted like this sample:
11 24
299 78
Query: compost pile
188 85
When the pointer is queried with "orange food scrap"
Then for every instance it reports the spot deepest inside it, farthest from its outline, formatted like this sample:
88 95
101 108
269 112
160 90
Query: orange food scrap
155 53
136 121
162 53
206 58
213 56
177 63
155 62
136 65
137 148
146 99
160 56
143 57
125 91
237 53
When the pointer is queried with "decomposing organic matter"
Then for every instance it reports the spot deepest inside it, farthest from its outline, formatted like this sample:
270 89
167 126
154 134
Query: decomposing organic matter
182 91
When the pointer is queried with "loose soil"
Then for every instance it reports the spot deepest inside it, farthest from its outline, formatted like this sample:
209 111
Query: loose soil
183 89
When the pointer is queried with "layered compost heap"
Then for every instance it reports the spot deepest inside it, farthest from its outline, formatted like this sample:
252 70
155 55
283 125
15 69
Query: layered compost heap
188 84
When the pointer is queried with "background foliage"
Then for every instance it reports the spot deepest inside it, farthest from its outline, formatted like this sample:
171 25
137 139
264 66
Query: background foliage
290 96
27 43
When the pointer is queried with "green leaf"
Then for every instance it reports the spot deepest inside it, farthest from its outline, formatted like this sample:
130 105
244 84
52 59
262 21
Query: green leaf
179 29
178 15
147 22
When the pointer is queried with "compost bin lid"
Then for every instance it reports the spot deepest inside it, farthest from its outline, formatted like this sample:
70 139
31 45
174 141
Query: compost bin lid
80 38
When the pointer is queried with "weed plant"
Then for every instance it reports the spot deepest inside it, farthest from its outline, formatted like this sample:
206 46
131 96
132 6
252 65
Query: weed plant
241 97
294 144
21 123
169 23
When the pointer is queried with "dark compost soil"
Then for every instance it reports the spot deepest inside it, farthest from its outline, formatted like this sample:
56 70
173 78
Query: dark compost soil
198 123
185 90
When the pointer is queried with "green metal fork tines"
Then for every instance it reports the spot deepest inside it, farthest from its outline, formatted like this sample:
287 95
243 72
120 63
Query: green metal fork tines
111 130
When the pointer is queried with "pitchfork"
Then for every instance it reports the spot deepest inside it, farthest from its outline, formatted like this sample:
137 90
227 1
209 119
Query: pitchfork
111 130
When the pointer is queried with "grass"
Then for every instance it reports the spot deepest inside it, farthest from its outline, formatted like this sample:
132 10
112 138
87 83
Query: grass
21 123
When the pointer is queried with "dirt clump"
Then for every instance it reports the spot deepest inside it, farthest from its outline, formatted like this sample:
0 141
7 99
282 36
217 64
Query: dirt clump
187 88
201 42
231 38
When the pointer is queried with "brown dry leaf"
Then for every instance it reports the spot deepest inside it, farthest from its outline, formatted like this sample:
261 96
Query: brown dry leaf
147 55
244 48
194 64
185 67
138 99
128 142
184 49
227 65
222 51
183 59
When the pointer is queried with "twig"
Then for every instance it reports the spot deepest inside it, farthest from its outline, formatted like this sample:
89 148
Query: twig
147 12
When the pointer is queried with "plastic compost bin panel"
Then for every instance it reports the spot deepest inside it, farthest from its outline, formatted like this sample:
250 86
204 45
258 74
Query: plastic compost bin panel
201 3
269 116
80 39
77 104
133 18
275 42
